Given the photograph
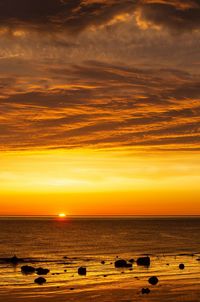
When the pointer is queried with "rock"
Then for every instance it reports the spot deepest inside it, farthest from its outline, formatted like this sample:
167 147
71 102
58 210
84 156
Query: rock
82 271
145 291
14 260
40 280
122 263
26 269
131 261
143 261
102 262
181 266
42 271
153 280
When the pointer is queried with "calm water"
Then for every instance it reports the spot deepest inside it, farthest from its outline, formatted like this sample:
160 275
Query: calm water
169 241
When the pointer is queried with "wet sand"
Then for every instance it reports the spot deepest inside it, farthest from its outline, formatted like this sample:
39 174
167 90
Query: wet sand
120 284
165 292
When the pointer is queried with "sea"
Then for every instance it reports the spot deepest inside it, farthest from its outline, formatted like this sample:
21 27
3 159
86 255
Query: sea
64 244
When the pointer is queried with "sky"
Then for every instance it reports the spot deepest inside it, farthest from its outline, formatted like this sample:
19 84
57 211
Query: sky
99 107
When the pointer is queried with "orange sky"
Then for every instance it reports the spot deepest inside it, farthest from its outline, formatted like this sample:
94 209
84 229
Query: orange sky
101 182
99 107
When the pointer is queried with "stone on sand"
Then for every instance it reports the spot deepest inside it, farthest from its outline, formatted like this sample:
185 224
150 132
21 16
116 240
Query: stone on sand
144 261
42 271
82 271
40 280
122 263
181 266
145 291
153 280
26 269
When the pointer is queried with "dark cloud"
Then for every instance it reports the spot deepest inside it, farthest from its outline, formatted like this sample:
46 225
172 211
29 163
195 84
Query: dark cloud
58 15
175 15
76 15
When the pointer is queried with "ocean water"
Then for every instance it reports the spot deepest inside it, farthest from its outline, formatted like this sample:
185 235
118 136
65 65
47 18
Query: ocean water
62 245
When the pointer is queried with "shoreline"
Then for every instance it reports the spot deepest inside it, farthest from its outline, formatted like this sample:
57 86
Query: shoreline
130 291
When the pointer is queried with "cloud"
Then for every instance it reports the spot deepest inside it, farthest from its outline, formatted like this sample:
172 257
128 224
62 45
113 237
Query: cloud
177 16
58 15
75 16
97 104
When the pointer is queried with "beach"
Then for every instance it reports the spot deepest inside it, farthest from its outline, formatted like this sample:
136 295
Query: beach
168 291
64 246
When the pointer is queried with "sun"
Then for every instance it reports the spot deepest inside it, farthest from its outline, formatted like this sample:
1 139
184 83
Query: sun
62 215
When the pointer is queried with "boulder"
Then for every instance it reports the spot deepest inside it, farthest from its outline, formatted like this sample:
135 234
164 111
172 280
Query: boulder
40 280
181 266
42 271
26 269
153 280
131 260
144 261
82 271
145 291
14 259
122 263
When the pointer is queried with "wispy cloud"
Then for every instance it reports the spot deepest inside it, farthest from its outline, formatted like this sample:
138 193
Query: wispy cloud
103 105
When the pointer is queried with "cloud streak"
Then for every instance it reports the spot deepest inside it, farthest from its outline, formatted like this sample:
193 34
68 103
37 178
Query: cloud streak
104 105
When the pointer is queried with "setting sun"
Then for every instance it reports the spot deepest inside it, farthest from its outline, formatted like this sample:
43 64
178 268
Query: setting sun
62 215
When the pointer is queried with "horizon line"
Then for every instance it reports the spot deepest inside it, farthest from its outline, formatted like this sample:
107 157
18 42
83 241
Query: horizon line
99 215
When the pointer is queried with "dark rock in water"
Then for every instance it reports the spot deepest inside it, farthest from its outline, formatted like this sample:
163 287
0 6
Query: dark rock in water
65 270
122 263
153 280
82 271
14 260
26 269
72 288
65 257
40 280
181 266
145 291
144 261
102 262
42 271
131 261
